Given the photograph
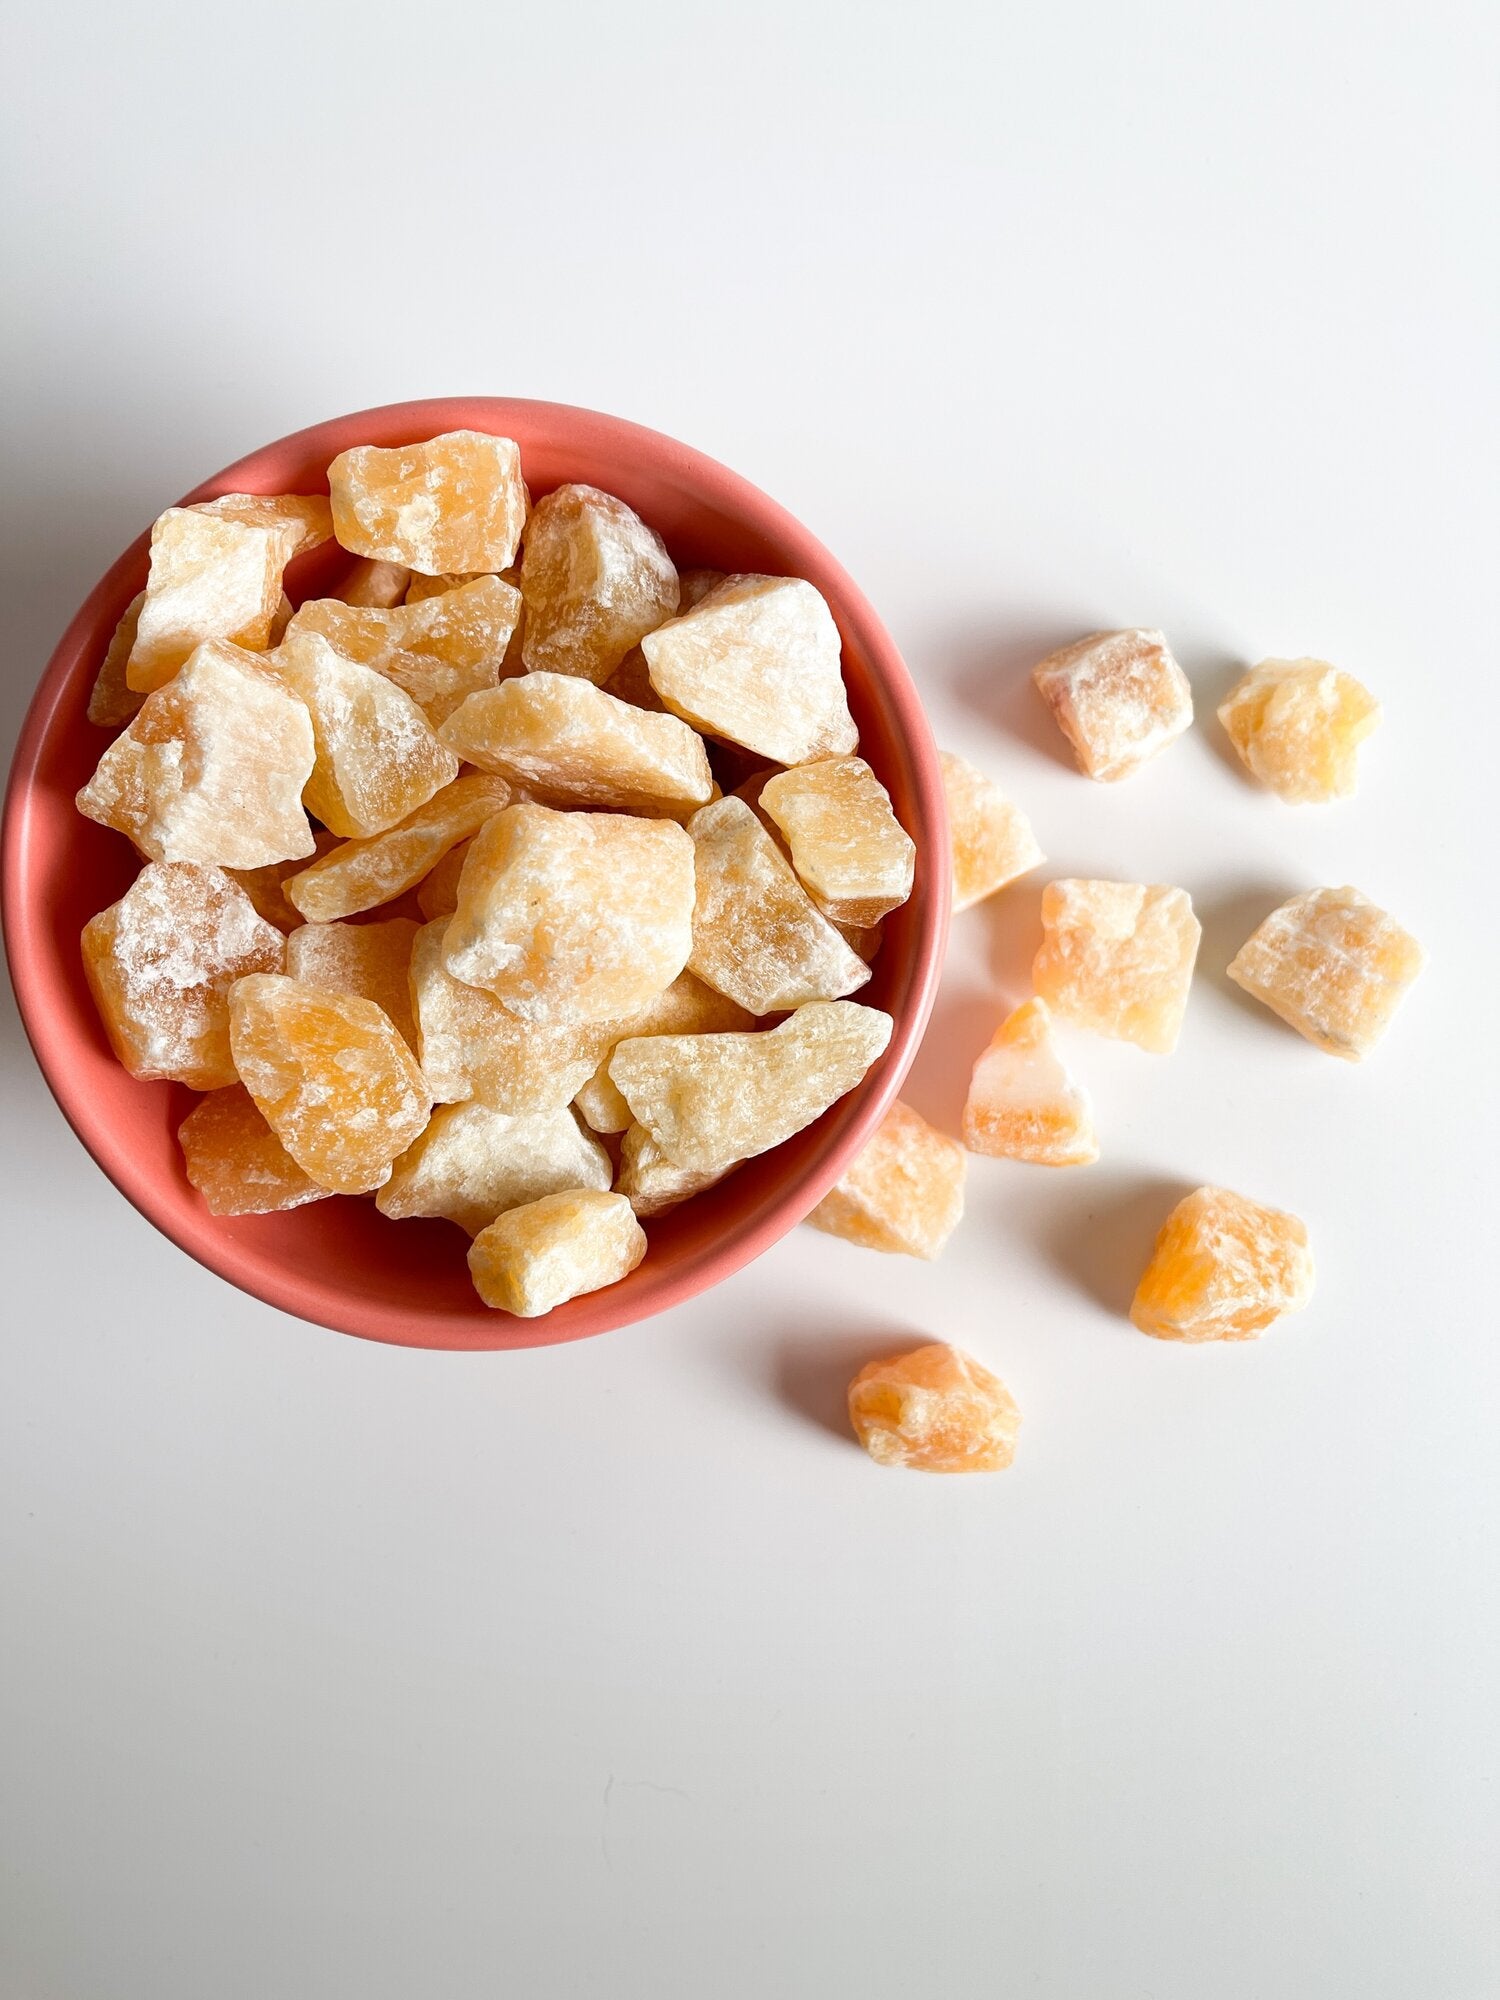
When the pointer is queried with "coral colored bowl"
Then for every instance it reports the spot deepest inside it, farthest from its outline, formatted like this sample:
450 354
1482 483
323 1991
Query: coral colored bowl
340 1263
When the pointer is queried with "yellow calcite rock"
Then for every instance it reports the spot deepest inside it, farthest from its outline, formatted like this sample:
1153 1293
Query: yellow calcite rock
686 1007
758 660
372 960
1118 697
853 855
437 892
472 1163
757 935
538 1256
936 1409
573 916
440 649
1023 1103
649 1181
457 502
989 836
420 587
376 585
471 1046
904 1193
1117 957
211 577
211 769
595 579
160 964
1223 1268
377 756
332 1077
236 1162
570 743
305 519
113 701
711 1100
1298 725
1334 966
362 874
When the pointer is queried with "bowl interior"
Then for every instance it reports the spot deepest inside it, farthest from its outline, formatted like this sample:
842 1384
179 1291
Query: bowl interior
340 1262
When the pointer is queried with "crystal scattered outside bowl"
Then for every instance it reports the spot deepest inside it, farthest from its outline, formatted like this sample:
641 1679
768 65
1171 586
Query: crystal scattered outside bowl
340 1263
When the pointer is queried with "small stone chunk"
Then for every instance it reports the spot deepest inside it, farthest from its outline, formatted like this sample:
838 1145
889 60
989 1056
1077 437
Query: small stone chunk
595 578
306 519
1023 1103
457 502
1297 725
855 858
687 1007
1117 957
471 1046
377 756
266 887
362 874
472 1163
160 964
331 1076
113 701
758 660
437 892
570 743
990 837
211 577
1118 697
1334 966
934 1410
538 1256
1223 1268
439 649
711 1100
374 585
211 769
236 1162
649 1181
903 1194
757 935
372 960
573 917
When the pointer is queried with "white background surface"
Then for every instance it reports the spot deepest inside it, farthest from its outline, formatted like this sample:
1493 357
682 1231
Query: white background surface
334 1670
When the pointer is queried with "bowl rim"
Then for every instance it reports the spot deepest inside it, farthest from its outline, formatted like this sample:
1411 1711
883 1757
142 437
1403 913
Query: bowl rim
26 942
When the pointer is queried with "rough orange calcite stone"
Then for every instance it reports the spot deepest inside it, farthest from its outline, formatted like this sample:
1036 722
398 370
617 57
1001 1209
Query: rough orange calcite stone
439 649
686 1007
376 585
1118 957
934 1410
854 857
377 756
866 939
236 1162
1334 966
211 577
538 1256
266 887
362 874
211 769
757 935
904 1194
1118 697
331 1076
1298 725
160 963
711 1100
471 1046
437 892
595 579
990 838
113 701
1223 1268
573 917
758 661
570 743
472 1163
457 502
372 960
304 519
649 1181
1023 1103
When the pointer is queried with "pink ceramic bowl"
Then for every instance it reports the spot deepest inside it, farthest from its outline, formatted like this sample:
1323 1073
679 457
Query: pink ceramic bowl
340 1263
